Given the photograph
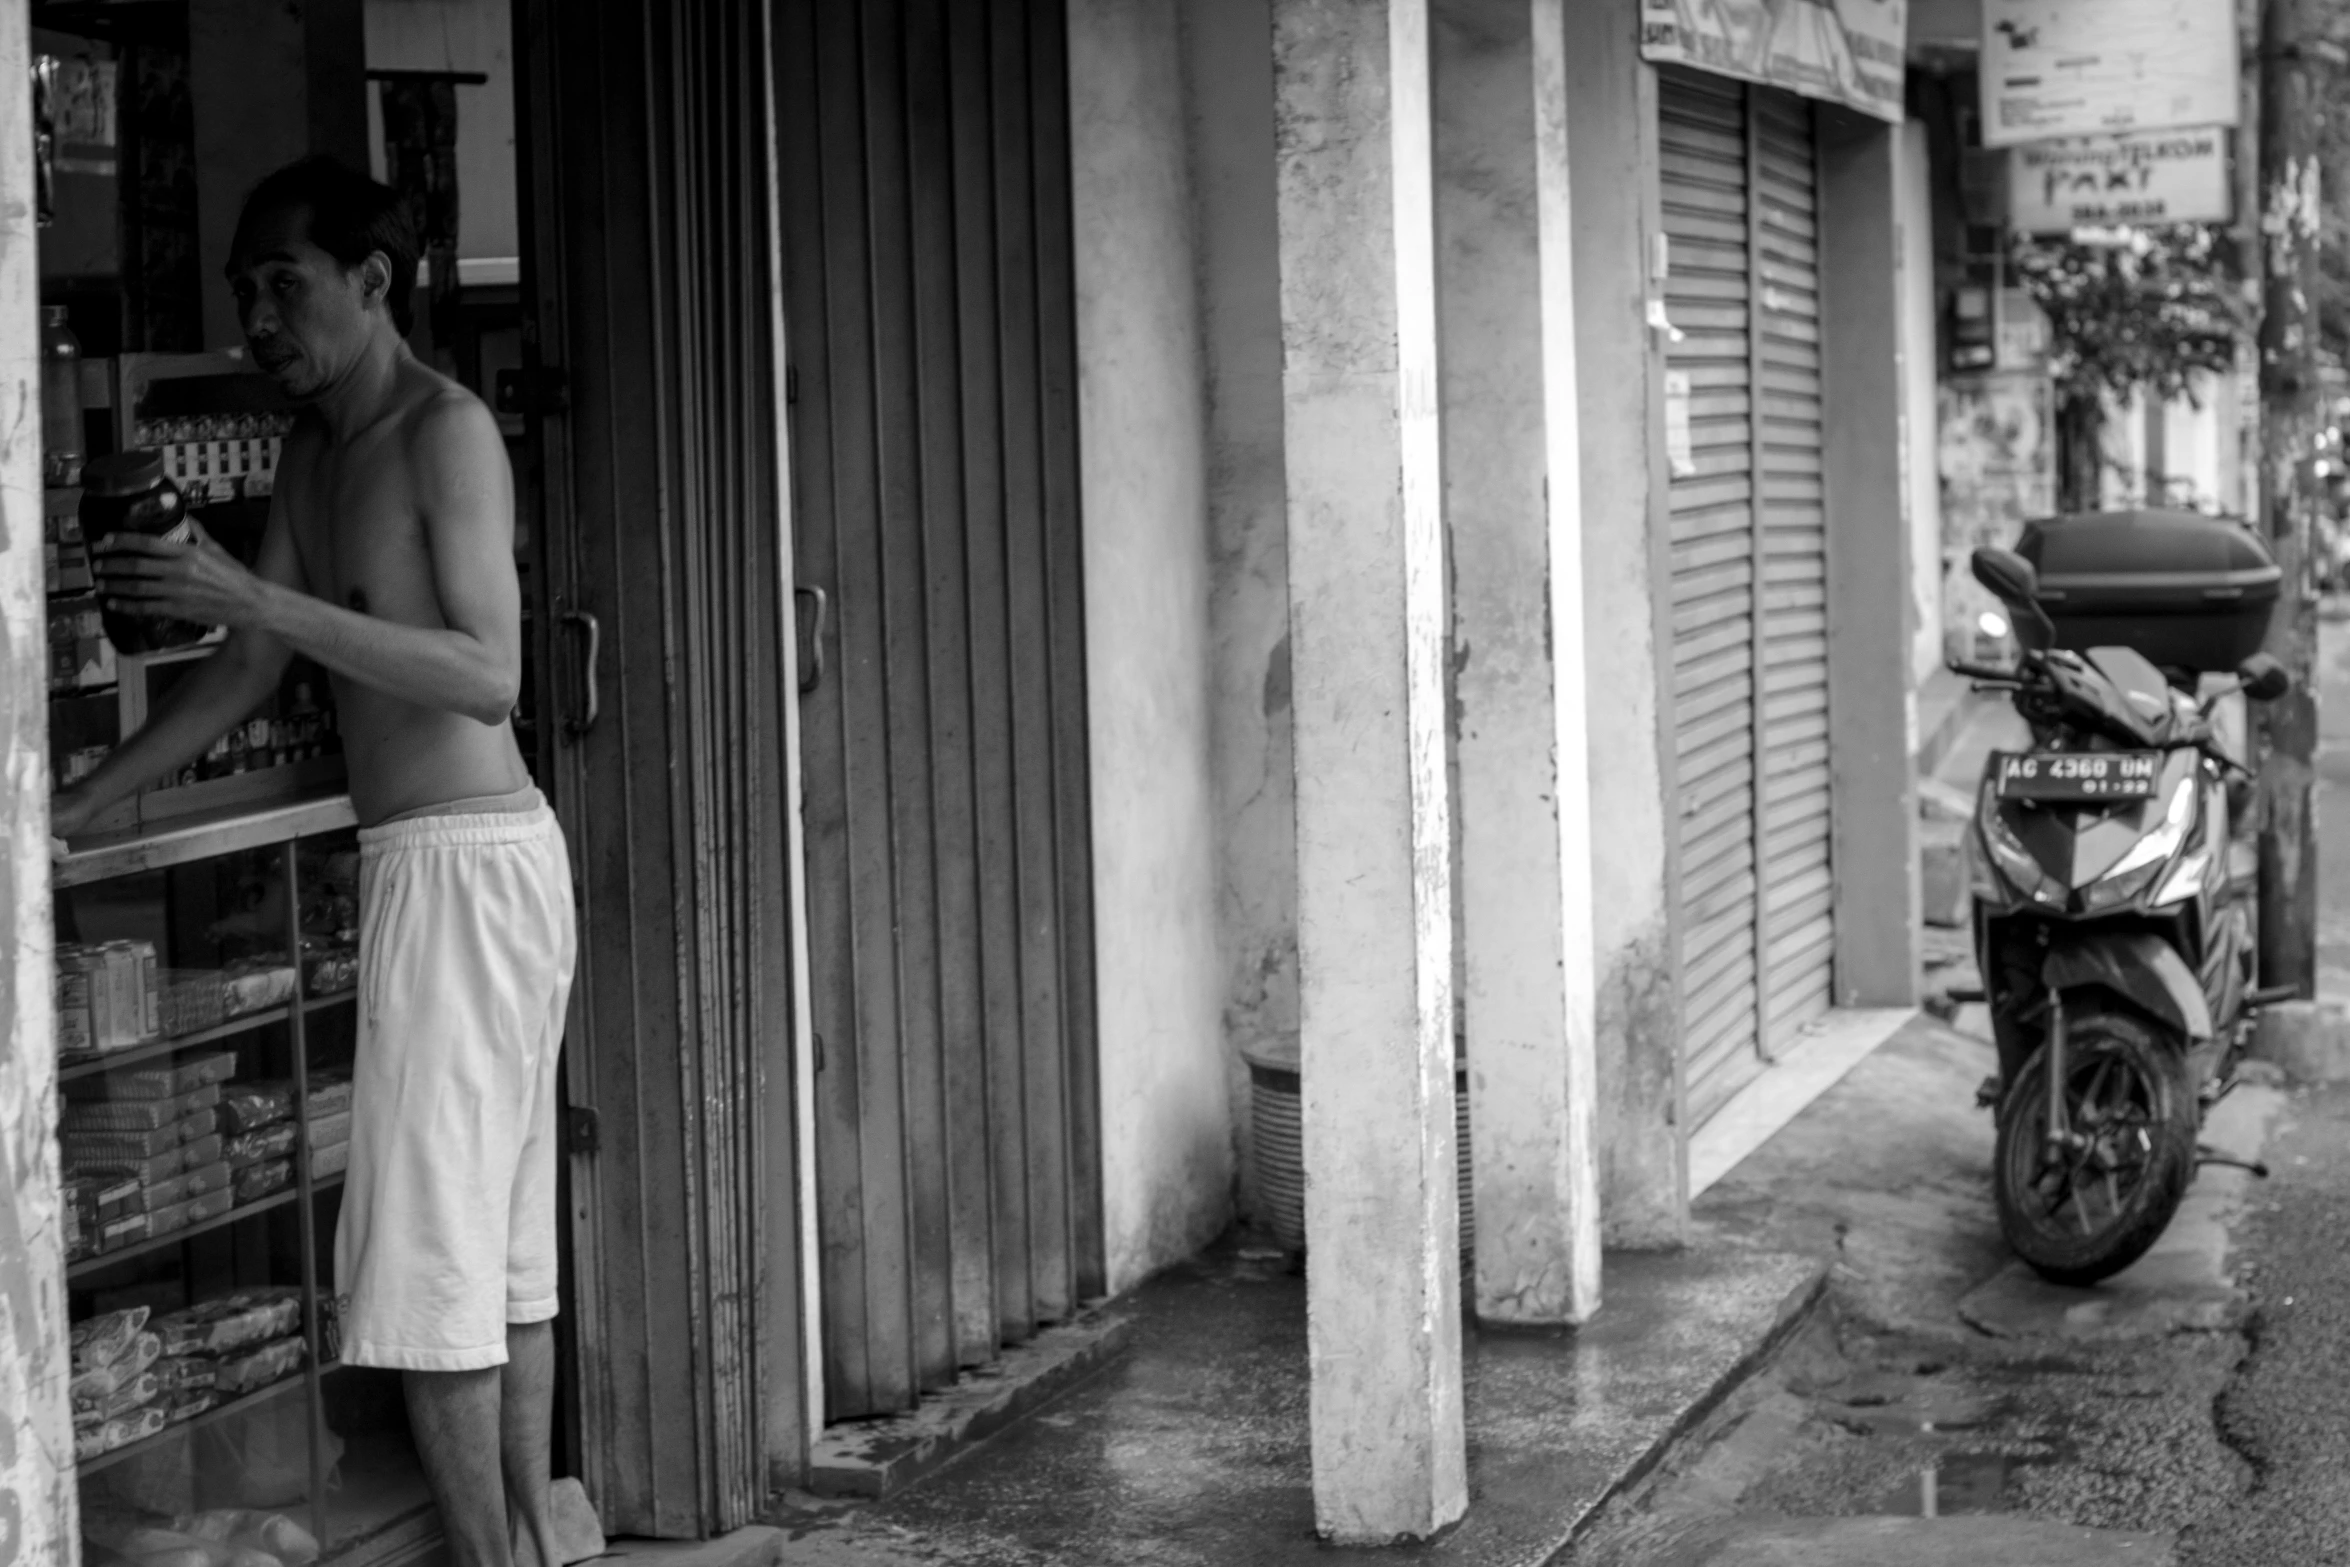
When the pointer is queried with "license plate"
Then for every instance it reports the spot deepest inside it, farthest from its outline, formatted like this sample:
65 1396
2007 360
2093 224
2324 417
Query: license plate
2079 775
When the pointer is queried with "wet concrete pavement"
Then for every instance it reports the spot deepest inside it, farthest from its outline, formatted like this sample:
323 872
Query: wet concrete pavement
1950 1407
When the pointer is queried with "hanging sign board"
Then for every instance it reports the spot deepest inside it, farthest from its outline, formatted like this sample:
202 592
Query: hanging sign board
2147 177
2066 68
1839 51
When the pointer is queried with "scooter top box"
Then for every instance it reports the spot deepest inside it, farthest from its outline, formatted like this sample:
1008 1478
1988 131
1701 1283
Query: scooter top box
2188 591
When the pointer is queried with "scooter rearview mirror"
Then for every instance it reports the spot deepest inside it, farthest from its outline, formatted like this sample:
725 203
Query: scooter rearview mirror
2012 580
2264 678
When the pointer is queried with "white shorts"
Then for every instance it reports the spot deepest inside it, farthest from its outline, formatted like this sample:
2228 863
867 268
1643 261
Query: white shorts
466 948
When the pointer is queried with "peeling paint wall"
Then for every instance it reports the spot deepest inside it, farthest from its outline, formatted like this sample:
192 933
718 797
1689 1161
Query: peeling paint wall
1228 45
37 1523
1167 1145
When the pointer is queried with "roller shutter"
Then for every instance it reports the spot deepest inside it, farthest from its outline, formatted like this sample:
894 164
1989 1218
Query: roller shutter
1749 576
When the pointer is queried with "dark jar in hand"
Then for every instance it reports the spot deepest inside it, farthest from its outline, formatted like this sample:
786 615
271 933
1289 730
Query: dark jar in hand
128 493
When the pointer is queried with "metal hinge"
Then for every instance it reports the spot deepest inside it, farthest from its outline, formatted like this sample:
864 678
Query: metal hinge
582 1129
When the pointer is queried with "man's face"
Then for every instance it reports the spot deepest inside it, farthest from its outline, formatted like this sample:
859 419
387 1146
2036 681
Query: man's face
306 315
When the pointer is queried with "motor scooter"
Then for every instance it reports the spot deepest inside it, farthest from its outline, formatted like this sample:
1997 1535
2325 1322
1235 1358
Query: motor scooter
2115 933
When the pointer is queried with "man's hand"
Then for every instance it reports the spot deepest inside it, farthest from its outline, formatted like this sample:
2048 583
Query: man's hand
197 581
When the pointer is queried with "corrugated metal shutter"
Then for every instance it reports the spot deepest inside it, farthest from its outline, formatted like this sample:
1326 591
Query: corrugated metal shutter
1749 641
930 305
1794 808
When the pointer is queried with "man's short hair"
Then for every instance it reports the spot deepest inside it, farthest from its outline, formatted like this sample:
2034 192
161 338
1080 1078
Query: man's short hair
351 216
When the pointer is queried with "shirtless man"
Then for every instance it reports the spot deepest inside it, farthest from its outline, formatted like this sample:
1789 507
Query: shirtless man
389 559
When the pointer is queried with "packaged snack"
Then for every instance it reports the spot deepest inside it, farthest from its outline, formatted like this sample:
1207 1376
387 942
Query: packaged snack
204 1179
330 1093
334 1159
73 1009
168 1219
255 984
140 1115
200 1123
271 1142
99 1387
326 1131
118 1195
115 1234
190 1000
202 1151
100 1341
245 1107
79 1214
241 1373
116 1149
330 970
102 1160
168 1192
186 1373
134 1427
135 1393
211 1205
166 1081
257 1181
189 1407
228 1322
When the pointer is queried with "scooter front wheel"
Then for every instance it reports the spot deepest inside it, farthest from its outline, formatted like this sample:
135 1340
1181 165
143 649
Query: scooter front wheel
2086 1206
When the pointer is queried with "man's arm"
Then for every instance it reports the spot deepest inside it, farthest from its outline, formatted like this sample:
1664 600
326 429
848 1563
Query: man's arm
472 664
217 694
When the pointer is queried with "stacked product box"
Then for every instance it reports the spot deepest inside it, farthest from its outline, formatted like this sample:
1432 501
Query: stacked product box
134 1375
106 995
144 1152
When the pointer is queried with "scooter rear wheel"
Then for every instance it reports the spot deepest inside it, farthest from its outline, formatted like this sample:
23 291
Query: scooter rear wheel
2082 1212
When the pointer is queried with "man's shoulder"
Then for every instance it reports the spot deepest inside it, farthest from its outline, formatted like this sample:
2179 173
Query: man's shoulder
436 408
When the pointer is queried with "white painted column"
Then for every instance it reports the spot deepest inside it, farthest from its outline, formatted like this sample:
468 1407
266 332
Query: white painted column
1513 508
37 1499
1366 615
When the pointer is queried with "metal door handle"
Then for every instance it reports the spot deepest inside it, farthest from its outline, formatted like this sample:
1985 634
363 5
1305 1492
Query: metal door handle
575 727
813 674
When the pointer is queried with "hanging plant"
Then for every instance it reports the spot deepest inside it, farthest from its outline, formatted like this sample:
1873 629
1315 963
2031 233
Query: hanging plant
2137 310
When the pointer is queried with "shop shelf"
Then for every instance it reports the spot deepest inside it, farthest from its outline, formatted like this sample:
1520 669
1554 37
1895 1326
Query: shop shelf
202 837
99 1264
235 1406
83 1064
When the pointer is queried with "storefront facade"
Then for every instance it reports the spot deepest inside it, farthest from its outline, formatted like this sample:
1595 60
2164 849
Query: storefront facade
912 496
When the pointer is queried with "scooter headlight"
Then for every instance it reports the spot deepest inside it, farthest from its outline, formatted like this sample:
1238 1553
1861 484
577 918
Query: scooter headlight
2008 854
2134 872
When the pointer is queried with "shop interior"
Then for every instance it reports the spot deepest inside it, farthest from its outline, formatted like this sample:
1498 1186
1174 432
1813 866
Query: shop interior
206 928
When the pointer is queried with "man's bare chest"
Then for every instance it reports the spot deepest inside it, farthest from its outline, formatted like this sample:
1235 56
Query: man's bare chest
363 545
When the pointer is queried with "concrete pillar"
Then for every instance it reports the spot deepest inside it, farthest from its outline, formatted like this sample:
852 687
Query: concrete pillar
37 1500
1366 615
1513 513
1612 145
1874 849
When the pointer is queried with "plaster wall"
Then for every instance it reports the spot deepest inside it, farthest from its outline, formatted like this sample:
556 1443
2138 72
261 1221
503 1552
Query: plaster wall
37 1498
458 35
1920 484
1228 47
1167 1144
1612 154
